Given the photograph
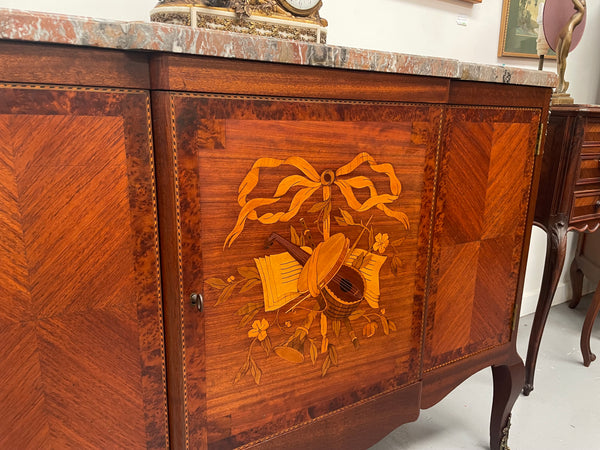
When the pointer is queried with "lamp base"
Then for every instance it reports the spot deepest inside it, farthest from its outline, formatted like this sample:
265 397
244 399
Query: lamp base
562 99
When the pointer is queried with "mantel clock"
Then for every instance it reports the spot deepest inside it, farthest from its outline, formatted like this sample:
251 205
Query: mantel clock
301 7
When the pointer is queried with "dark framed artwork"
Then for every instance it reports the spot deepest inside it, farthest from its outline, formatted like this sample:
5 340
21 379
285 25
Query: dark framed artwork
519 28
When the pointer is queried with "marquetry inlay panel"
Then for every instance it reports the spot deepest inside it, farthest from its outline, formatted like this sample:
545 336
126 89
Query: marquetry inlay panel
316 173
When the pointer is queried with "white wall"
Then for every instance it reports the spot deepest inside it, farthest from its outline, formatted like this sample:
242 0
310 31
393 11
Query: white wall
102 9
426 27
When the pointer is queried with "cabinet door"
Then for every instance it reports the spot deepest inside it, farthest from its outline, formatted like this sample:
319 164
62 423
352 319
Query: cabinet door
484 194
81 353
305 226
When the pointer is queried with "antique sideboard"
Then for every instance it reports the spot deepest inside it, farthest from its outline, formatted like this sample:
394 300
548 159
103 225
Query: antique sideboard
568 199
219 241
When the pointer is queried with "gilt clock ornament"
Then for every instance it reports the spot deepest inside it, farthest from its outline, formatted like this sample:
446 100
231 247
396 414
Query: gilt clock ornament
286 19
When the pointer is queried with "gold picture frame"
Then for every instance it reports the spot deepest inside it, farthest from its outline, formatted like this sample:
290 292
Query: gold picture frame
519 29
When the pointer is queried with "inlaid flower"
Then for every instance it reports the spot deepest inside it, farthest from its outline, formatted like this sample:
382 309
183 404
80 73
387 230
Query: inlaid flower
259 329
381 242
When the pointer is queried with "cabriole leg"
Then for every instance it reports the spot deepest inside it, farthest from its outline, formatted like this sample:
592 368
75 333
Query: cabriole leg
508 380
555 258
588 324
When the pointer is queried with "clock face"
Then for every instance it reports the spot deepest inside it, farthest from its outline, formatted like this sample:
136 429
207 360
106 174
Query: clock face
300 7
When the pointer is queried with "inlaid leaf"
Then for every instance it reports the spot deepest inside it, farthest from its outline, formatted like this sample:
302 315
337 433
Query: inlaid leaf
257 375
369 329
248 318
249 273
323 325
266 345
249 285
324 345
238 377
373 329
313 352
326 366
243 370
358 261
225 294
398 242
317 207
255 371
347 217
248 307
396 264
385 325
340 221
392 325
333 354
356 314
294 237
217 283
336 326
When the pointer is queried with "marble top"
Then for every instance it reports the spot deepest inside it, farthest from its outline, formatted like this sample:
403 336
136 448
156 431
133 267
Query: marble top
149 36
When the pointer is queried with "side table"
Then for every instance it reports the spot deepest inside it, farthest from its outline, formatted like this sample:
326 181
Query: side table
568 199
586 263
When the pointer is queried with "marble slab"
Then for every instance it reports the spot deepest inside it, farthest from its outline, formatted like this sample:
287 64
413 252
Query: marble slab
73 30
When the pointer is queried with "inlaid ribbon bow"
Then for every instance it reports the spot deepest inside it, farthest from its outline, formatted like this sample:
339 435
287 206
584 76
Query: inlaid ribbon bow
309 183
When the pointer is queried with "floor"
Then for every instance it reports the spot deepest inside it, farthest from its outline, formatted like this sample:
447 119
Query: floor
563 411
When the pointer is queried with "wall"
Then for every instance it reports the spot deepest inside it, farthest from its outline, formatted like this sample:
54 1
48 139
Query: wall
427 27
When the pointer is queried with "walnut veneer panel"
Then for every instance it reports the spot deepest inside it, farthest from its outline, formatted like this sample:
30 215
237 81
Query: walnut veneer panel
485 183
81 363
247 167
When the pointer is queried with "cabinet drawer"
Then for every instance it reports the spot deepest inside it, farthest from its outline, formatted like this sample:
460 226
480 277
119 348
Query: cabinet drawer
591 131
586 205
590 148
589 169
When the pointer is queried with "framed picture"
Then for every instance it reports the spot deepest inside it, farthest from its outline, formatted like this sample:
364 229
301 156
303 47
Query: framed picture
519 28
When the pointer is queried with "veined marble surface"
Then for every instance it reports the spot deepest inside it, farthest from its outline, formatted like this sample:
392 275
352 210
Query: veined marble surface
61 29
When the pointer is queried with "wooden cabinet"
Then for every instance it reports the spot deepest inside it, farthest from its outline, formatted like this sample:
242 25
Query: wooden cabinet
336 249
568 199
80 295
426 201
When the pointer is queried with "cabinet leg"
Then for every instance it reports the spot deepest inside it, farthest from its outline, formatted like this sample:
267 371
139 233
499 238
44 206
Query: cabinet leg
588 324
576 284
508 381
555 259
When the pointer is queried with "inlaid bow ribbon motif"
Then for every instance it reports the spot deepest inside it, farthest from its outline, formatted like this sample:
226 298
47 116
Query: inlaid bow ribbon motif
310 182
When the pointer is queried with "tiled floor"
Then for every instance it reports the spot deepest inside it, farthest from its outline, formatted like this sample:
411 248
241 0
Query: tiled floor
563 412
